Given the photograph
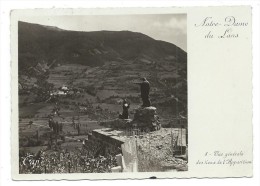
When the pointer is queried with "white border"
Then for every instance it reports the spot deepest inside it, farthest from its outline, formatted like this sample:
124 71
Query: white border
5 163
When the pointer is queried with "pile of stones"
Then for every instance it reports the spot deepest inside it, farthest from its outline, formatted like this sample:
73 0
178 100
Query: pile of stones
117 123
146 118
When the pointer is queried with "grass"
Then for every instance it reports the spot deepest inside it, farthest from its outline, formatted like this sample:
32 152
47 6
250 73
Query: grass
31 109
77 160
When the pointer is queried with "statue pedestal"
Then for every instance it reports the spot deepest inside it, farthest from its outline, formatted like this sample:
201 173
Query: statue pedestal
146 118
116 123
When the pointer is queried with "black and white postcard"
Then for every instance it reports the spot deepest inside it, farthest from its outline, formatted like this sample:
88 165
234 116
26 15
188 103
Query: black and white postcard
131 93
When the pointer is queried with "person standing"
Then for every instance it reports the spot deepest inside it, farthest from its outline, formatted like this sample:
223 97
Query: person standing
126 106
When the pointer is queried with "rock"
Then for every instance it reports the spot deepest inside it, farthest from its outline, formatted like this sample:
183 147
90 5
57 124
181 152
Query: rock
146 118
183 167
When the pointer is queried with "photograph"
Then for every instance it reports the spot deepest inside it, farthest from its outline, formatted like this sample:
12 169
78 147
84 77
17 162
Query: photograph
102 93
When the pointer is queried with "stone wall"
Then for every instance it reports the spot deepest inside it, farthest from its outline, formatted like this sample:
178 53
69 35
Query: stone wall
110 137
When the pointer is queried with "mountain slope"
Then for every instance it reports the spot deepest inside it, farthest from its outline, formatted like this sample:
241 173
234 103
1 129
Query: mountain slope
104 64
37 42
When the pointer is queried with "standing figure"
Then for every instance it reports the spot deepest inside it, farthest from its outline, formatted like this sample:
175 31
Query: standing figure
126 106
145 89
73 122
30 123
51 122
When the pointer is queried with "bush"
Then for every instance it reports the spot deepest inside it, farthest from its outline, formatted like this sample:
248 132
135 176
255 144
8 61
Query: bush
91 158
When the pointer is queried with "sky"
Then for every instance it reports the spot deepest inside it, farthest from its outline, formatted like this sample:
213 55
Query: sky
166 27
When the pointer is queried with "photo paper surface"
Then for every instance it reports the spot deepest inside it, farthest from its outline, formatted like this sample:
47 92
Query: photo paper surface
131 93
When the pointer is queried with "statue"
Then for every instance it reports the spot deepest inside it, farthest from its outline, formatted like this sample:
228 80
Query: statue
126 106
145 88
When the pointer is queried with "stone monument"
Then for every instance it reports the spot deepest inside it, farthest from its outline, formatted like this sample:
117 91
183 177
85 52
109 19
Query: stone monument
146 118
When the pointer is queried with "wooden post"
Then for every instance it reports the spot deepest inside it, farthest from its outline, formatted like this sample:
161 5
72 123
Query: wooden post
69 167
172 145
37 136
181 140
187 134
78 127
135 167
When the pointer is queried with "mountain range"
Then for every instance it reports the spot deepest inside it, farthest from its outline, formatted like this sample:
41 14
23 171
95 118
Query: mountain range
103 63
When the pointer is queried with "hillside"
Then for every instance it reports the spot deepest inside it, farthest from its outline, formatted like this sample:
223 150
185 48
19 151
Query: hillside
103 65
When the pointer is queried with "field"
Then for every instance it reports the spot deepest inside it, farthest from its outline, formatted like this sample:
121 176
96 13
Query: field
88 102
